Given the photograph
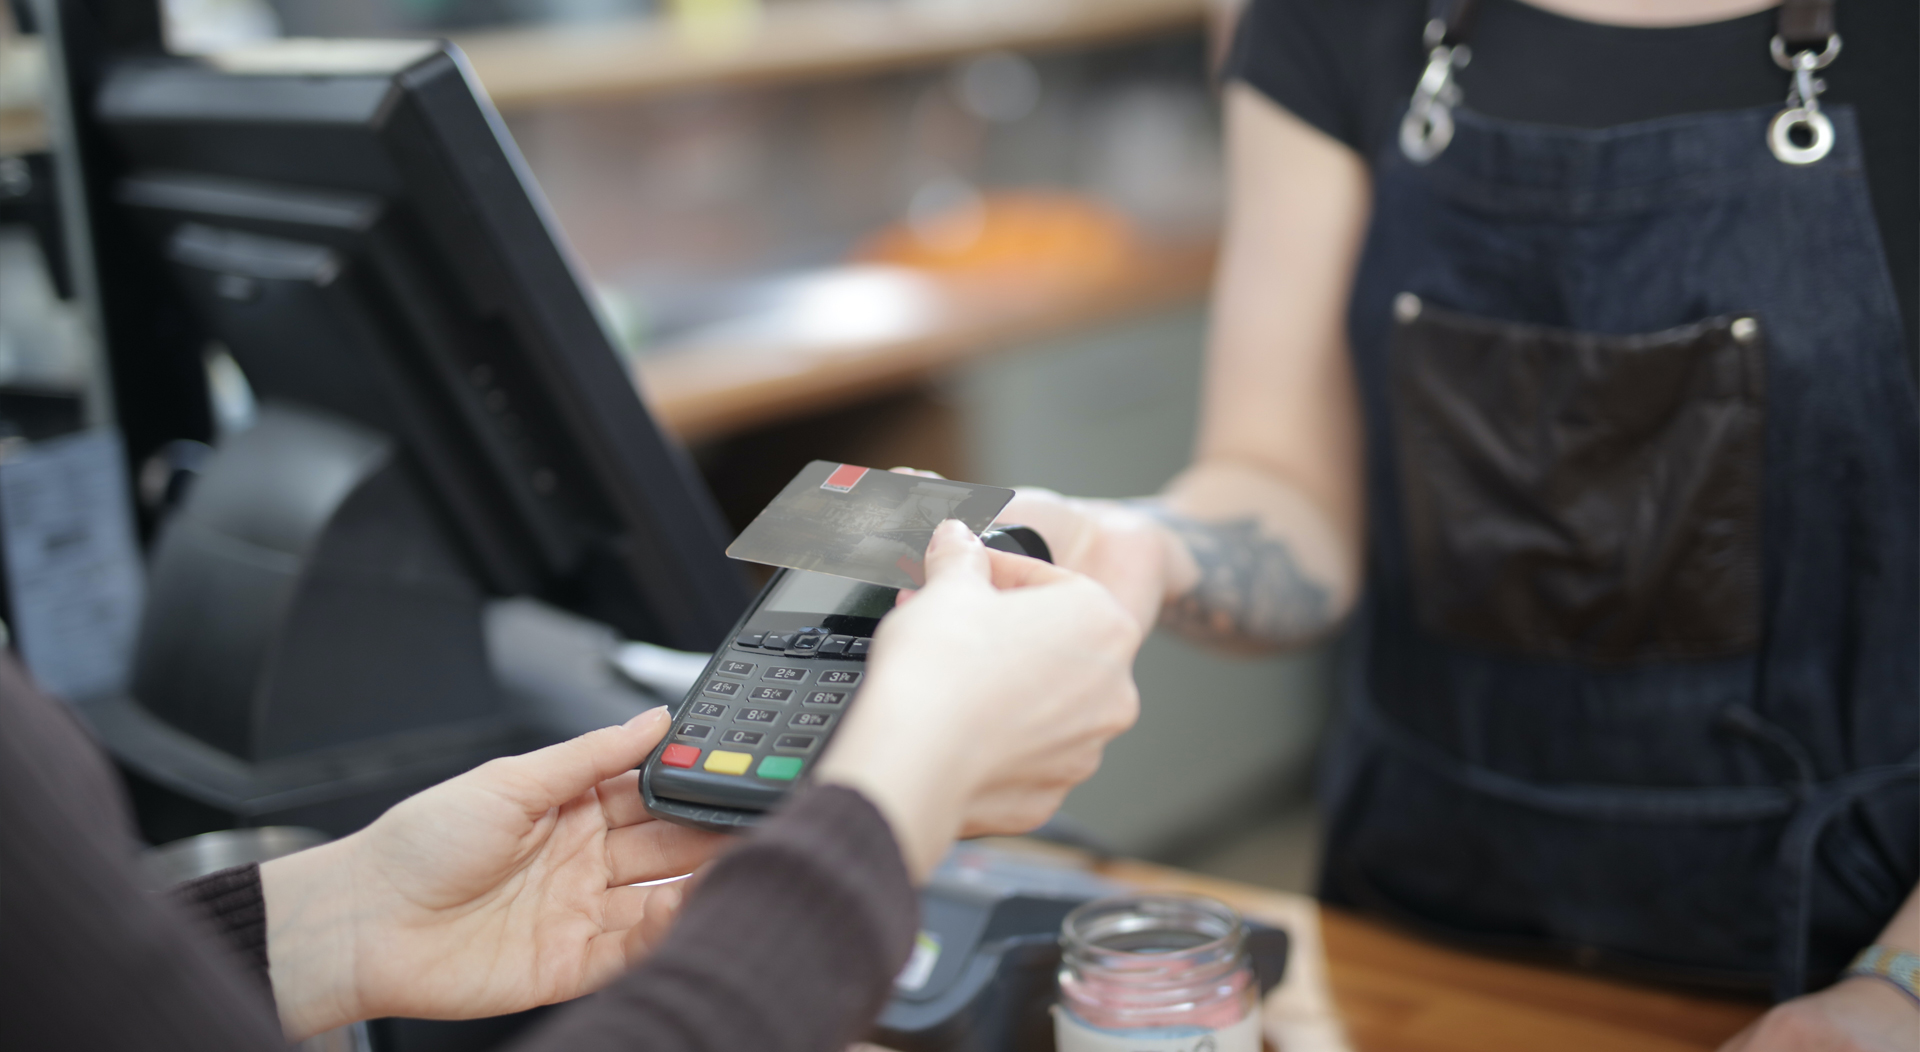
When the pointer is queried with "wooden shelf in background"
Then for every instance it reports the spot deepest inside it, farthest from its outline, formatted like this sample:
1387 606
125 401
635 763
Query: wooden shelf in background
793 41
23 127
21 131
797 40
747 376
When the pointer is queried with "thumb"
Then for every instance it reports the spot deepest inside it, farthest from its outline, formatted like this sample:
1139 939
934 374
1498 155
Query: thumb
551 776
955 554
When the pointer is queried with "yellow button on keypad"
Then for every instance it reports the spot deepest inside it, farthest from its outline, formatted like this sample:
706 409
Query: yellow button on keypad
720 761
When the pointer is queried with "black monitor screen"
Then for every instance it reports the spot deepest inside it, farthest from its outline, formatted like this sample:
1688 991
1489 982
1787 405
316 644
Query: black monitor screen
352 221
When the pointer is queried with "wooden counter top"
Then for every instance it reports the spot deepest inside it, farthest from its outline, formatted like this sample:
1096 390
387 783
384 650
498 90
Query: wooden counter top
1393 993
761 370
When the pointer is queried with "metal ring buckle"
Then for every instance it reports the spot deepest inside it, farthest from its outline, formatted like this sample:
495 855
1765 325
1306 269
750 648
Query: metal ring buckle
1426 131
1428 126
1778 48
1780 135
1803 103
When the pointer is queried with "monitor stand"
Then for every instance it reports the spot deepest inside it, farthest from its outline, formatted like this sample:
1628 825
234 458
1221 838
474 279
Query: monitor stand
314 649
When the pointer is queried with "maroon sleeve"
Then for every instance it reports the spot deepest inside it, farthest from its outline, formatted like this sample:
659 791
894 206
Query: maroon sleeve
88 958
232 903
790 944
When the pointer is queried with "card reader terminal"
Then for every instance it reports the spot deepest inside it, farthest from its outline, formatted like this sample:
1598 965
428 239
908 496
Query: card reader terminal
763 710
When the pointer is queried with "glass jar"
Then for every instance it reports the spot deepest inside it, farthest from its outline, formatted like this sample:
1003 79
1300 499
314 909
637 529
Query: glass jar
1156 973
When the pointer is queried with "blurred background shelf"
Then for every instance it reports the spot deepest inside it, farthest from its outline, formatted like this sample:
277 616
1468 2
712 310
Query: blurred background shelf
799 40
22 68
835 337
732 45
21 130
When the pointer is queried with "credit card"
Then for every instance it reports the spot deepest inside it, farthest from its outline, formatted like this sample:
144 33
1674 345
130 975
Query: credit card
872 526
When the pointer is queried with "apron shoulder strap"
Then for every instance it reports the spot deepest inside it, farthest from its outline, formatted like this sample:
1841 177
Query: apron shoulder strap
1805 23
1450 22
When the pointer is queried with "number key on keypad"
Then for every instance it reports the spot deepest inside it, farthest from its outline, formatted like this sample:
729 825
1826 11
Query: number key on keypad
735 668
839 678
722 687
757 716
825 697
810 719
771 693
786 673
707 709
748 738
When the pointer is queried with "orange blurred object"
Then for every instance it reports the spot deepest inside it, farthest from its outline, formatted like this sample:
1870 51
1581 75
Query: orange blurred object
1010 232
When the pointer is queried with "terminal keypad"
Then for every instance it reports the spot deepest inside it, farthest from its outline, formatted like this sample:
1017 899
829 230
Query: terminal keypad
786 707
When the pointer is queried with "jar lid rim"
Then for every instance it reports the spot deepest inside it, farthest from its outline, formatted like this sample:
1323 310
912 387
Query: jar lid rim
1076 923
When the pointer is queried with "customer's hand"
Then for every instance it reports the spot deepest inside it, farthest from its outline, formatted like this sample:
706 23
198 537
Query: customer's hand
499 890
1853 1015
1116 545
990 692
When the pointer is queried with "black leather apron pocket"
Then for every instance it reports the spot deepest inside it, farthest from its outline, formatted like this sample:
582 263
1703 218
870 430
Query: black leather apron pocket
1578 496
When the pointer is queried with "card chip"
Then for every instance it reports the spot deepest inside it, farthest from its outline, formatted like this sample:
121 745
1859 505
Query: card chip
844 478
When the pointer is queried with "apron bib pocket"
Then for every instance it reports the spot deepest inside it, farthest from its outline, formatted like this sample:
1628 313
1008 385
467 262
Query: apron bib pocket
1577 496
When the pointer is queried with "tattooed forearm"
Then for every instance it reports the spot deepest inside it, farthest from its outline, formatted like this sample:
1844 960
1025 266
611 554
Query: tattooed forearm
1251 588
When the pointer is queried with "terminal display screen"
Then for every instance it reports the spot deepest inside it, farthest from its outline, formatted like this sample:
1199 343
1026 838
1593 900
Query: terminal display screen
805 592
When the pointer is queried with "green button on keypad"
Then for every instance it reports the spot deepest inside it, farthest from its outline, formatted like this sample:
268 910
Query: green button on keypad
782 768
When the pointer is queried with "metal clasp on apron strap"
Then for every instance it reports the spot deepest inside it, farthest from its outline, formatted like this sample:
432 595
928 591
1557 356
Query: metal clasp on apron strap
1428 126
1803 103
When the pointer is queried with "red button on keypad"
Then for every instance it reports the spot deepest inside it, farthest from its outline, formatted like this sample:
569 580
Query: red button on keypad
679 755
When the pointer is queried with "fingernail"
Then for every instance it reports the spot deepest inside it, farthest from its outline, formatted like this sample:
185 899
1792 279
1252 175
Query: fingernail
653 715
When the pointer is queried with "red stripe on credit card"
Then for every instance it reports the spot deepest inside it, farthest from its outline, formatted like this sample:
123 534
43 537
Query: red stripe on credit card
843 478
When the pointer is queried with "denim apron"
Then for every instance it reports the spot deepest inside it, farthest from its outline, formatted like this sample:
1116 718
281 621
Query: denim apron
1636 680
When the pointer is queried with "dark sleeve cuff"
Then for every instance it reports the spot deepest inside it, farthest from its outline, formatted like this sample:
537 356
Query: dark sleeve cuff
790 944
232 902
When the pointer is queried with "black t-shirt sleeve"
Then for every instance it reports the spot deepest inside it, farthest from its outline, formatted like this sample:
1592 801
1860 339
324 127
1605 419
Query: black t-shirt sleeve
1343 66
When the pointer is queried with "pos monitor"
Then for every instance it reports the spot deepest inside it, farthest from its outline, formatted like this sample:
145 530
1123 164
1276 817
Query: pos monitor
443 423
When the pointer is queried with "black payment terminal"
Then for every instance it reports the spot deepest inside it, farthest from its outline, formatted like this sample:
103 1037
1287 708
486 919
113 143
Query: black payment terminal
766 705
